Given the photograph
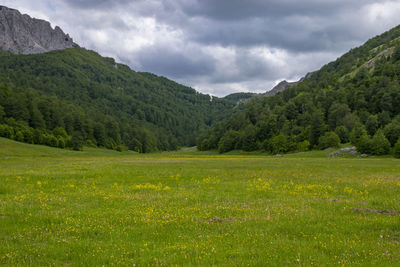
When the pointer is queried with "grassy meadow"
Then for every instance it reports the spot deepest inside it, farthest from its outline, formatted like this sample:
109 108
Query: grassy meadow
188 208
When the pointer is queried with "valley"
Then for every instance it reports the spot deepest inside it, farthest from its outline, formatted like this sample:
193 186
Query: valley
101 207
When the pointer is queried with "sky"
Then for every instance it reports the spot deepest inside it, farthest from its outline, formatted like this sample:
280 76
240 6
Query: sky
219 47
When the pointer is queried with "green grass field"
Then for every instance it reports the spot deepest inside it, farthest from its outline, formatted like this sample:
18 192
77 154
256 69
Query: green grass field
99 207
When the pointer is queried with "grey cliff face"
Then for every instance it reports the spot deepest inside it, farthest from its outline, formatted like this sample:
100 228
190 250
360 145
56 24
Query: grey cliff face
23 34
282 86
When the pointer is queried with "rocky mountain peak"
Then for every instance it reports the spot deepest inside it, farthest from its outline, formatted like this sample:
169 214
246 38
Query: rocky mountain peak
23 34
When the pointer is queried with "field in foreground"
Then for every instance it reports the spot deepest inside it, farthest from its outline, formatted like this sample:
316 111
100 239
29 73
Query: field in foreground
100 207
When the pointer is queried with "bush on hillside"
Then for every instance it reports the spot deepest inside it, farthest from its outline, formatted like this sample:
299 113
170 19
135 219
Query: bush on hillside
396 149
379 144
330 139
364 144
343 133
303 146
356 133
392 132
228 141
278 144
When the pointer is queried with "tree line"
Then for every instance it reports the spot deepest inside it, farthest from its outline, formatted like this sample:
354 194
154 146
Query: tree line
75 97
353 99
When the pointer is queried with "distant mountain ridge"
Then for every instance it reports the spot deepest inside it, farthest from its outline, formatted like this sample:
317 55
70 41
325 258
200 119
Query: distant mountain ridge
283 85
246 97
21 34
355 98
73 97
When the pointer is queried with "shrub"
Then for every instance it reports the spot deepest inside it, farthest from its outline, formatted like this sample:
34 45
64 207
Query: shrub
51 140
61 142
60 132
6 131
278 144
90 143
77 141
28 133
372 124
396 149
379 144
356 133
2 114
248 140
303 146
19 136
122 148
330 139
343 134
392 132
364 144
228 141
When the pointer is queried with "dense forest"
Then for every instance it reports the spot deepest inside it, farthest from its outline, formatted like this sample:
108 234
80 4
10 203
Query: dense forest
353 99
75 97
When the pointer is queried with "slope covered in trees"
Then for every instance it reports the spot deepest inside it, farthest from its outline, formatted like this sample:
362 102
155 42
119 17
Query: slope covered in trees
239 97
353 99
73 97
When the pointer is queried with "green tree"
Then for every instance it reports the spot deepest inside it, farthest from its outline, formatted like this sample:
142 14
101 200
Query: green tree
303 146
19 136
6 131
396 149
392 132
337 112
380 145
279 144
2 114
61 142
372 124
317 127
36 120
364 144
228 141
99 133
77 141
356 133
248 139
343 133
330 139
60 132
52 140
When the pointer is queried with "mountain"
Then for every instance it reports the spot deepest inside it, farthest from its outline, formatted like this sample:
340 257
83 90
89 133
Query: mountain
23 34
74 96
239 97
244 98
282 86
353 99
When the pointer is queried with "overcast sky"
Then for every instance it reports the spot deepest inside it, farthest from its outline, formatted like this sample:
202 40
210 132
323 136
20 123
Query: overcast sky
219 46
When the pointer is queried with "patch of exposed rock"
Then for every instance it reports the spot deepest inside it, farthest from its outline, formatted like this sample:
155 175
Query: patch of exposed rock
283 85
21 34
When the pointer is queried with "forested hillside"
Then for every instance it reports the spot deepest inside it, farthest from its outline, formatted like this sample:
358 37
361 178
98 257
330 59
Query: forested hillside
239 97
353 99
74 97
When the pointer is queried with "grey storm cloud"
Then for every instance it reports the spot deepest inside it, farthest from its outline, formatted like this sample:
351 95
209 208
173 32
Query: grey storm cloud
94 4
173 63
219 46
242 10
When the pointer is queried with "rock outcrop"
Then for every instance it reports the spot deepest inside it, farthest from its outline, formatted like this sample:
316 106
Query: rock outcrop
280 87
283 85
23 34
